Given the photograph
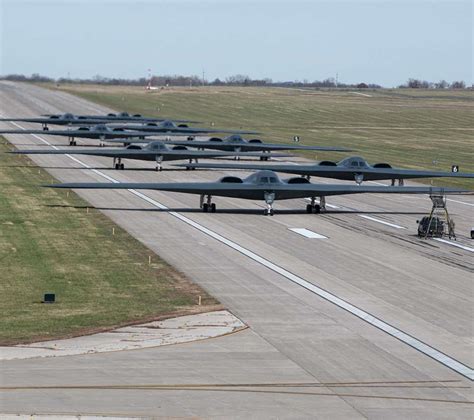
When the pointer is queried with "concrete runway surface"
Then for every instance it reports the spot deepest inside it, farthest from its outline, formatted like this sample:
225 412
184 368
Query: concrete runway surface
392 338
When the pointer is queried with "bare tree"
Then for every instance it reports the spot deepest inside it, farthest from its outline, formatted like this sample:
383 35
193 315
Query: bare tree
458 85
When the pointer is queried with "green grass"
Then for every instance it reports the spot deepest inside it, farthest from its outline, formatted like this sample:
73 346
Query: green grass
405 127
50 243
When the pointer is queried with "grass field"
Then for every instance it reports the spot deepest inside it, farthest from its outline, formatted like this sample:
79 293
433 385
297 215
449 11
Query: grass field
422 129
50 243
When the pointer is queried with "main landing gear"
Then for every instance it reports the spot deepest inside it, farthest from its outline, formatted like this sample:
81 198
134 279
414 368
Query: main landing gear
118 163
190 167
316 208
45 127
401 182
207 206
72 141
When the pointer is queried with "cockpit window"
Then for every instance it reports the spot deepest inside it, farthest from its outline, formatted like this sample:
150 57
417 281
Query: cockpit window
235 139
273 180
168 124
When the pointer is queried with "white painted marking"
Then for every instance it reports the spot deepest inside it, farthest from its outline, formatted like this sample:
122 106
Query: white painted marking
445 241
460 202
382 221
435 354
308 233
361 94
378 183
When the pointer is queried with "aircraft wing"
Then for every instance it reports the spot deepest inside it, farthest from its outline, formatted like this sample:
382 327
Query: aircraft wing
255 191
336 172
254 146
33 120
389 173
122 153
83 133
140 153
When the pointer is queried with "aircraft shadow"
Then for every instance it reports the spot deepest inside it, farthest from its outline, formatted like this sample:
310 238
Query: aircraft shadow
235 211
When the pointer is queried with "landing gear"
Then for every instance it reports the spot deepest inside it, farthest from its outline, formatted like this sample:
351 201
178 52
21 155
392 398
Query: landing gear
269 212
72 142
45 128
159 159
316 208
401 182
269 199
118 164
359 178
265 158
189 167
207 206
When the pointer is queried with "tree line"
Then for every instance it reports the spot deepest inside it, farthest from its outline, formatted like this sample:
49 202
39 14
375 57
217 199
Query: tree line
235 80
424 84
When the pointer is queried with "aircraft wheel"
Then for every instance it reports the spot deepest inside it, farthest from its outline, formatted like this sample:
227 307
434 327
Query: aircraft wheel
45 128
122 166
309 208
213 207
317 209
271 212
205 207
116 166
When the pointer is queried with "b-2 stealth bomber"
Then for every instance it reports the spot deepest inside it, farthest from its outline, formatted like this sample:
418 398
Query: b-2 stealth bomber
353 168
155 151
262 185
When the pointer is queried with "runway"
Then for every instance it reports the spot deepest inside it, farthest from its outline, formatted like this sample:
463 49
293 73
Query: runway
368 256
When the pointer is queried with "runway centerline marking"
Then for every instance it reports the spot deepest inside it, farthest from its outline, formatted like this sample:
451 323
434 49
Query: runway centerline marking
404 337
383 222
445 241
308 233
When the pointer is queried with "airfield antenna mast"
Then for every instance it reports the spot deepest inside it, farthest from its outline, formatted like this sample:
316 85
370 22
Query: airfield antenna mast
337 76
149 79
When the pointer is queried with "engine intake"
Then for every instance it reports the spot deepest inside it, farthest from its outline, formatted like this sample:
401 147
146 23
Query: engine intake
327 163
383 165
255 141
216 139
231 180
297 180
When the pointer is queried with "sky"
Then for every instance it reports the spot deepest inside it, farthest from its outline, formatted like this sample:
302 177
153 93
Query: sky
372 41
